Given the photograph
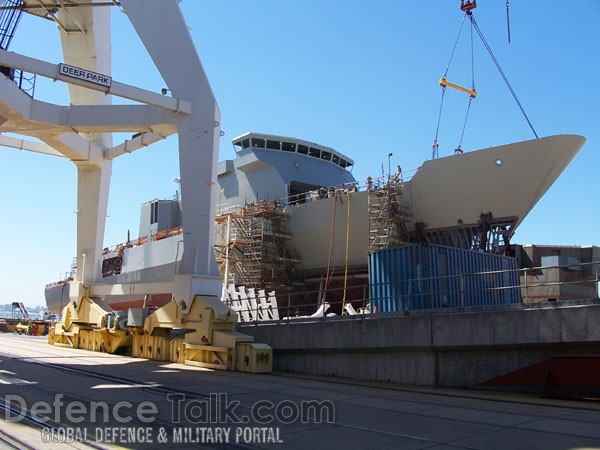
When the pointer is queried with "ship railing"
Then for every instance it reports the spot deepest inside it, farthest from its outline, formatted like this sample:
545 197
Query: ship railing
167 233
142 240
64 278
528 288
323 192
356 186
228 208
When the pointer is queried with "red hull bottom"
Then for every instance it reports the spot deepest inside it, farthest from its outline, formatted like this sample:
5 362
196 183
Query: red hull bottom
57 297
154 302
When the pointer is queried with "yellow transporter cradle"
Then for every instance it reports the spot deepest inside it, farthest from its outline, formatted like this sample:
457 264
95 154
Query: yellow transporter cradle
209 337
91 324
201 333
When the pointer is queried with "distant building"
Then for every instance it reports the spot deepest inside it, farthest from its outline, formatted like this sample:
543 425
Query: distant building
558 272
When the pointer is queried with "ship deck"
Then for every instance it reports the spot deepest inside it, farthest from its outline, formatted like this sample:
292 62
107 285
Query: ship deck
365 415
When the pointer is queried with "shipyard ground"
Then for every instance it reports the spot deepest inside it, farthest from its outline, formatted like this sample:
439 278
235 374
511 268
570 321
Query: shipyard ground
149 404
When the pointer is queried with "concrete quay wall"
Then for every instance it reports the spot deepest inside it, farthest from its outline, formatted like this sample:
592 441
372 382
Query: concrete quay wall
451 349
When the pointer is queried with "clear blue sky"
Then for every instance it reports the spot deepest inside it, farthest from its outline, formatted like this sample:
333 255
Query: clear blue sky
361 77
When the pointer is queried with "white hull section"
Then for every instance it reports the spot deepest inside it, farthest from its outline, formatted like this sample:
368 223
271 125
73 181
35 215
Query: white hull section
507 181
445 193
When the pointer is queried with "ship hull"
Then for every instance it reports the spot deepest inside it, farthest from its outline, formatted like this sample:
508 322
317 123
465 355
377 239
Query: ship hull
57 297
447 197
507 181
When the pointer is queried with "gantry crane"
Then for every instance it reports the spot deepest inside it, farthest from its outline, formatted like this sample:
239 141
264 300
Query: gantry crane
82 132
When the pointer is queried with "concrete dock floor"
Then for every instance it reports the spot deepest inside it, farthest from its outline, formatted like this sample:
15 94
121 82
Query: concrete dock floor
62 398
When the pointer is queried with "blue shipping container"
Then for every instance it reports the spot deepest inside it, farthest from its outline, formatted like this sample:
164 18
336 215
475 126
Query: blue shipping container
418 276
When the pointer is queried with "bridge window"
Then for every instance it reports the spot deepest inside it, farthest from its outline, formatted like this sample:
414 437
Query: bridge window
288 147
258 143
153 213
273 145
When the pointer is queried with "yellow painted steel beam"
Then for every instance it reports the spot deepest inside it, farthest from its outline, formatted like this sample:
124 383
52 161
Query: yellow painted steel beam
471 92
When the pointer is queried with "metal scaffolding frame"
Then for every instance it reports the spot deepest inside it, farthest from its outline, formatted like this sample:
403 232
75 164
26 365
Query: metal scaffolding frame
388 221
252 246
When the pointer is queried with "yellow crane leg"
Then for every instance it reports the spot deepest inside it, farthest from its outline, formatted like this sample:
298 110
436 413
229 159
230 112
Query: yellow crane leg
471 92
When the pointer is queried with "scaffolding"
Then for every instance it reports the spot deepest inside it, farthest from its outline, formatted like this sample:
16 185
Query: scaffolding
388 221
252 246
10 15
490 234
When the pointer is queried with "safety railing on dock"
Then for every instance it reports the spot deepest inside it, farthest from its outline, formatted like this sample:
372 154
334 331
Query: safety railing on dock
478 291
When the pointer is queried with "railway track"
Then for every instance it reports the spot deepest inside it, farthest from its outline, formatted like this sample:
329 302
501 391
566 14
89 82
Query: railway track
12 442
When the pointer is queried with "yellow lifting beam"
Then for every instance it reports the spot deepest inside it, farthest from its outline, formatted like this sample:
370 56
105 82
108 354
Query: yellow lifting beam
446 83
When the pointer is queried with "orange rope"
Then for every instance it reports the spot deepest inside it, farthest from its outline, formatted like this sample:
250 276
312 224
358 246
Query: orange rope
331 236
347 251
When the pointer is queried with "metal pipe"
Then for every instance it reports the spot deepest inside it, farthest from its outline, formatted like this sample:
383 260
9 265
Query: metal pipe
526 286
